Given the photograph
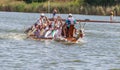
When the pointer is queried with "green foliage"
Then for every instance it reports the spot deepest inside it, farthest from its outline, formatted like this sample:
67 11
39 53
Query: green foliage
20 8
80 2
102 2
30 1
88 7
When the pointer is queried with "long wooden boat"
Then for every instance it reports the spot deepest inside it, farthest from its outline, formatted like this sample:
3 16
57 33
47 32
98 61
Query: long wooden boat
68 40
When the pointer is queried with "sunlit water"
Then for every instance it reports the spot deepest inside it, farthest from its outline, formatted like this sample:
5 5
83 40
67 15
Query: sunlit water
101 51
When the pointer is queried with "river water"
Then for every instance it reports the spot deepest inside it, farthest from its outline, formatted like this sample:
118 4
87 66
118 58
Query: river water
101 50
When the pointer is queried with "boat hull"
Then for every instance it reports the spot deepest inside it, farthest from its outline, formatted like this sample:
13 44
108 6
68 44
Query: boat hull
61 40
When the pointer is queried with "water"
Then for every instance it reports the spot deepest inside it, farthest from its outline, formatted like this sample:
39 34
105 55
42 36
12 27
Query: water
100 52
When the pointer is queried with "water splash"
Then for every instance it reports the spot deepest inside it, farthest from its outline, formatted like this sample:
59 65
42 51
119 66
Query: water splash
15 36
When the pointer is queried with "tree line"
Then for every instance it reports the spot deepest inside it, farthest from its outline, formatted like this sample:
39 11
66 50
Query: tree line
30 1
102 2
85 2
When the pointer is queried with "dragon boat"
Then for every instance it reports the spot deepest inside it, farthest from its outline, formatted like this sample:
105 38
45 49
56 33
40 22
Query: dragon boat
78 36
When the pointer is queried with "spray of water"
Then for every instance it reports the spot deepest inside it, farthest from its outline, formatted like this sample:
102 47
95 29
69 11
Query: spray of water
16 36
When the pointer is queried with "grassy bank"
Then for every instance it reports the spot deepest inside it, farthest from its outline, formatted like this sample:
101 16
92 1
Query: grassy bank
64 7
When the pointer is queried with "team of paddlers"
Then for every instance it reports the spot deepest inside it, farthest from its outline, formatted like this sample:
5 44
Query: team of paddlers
44 28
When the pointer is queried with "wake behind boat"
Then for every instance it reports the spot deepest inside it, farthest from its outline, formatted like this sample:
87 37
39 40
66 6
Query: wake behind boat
56 29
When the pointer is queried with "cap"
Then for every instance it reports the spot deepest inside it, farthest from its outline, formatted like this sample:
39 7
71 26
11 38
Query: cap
42 14
70 15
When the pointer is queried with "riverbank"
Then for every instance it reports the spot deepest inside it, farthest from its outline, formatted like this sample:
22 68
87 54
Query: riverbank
73 7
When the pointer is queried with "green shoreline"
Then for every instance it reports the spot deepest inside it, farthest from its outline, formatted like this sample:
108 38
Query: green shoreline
62 8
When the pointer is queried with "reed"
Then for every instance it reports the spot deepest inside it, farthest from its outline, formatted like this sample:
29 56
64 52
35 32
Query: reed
117 10
76 7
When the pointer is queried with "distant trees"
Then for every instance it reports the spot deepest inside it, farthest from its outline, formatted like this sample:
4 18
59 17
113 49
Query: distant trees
89 2
30 1
102 2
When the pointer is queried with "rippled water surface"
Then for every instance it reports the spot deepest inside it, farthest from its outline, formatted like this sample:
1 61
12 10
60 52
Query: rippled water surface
101 50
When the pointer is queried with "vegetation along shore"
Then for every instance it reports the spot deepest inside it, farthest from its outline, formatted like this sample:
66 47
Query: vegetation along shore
87 7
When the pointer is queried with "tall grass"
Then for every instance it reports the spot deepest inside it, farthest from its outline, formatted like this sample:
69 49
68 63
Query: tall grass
76 7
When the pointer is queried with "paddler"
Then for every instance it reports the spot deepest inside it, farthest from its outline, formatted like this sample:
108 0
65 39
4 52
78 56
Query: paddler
111 15
57 27
70 22
54 12
42 20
